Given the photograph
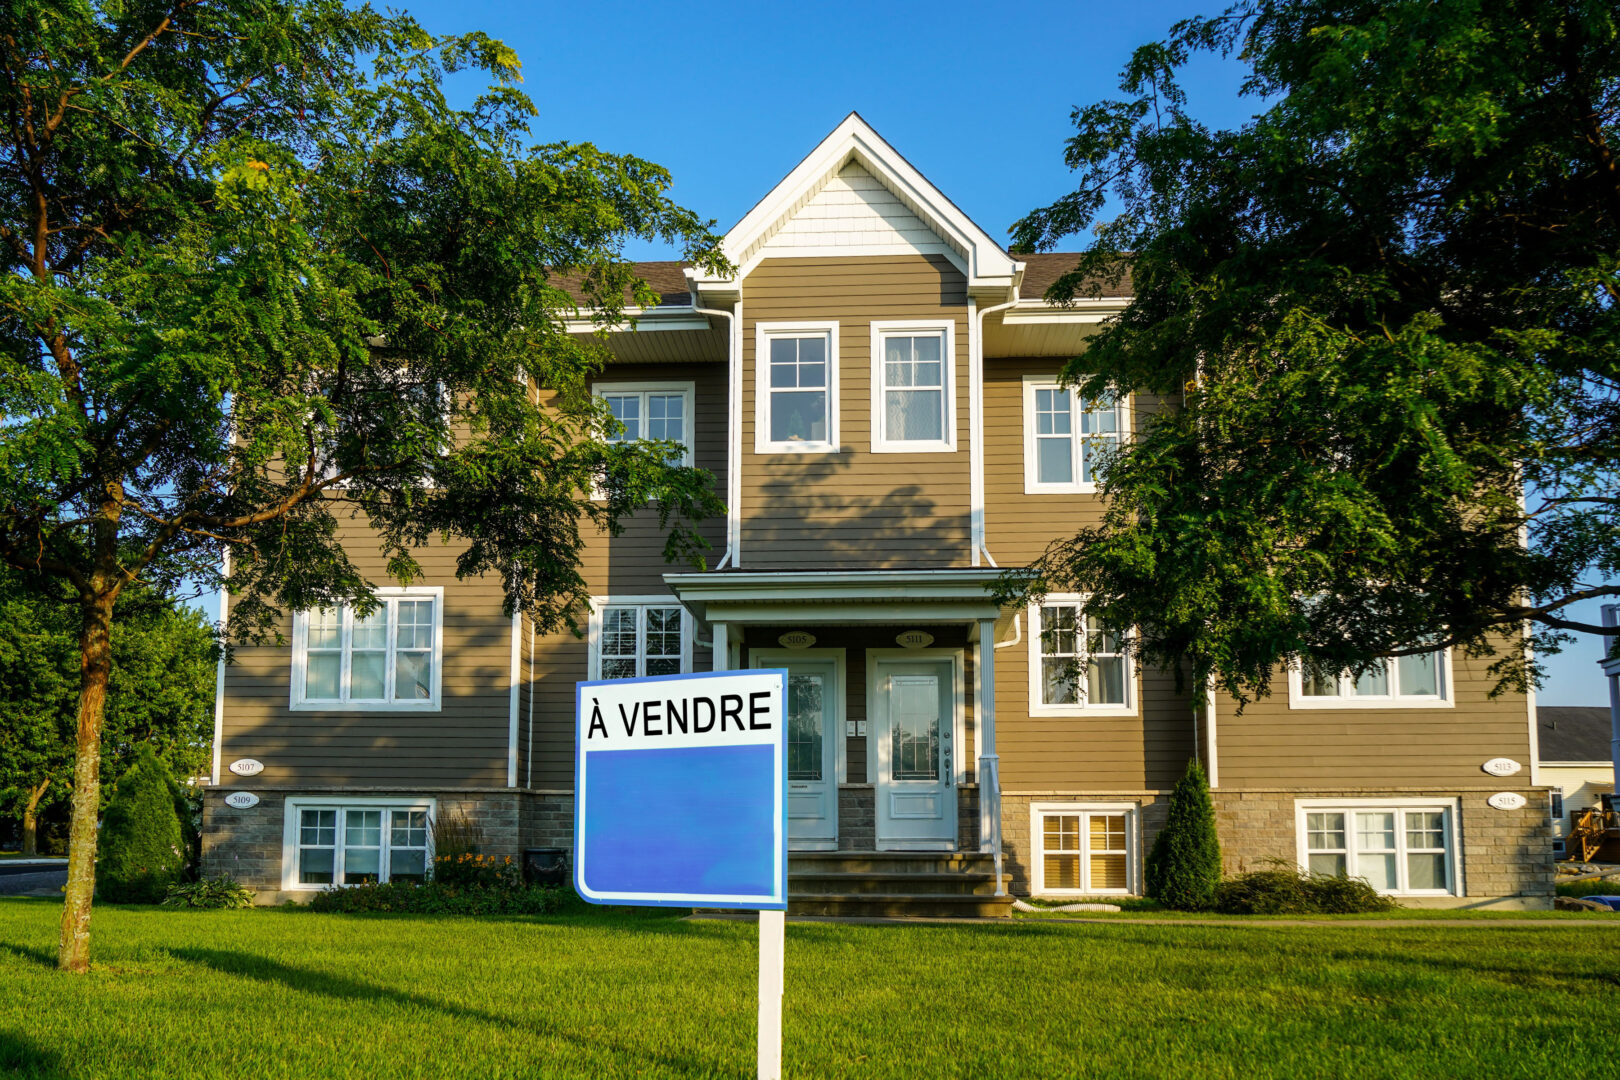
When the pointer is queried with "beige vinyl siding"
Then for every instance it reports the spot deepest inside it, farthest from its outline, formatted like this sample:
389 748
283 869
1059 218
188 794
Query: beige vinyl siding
855 509
1019 526
1270 744
632 563
463 744
1091 753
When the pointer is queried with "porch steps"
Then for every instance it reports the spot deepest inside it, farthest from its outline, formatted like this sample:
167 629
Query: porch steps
895 883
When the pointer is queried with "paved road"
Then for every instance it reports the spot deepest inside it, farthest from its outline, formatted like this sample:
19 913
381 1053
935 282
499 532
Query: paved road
42 878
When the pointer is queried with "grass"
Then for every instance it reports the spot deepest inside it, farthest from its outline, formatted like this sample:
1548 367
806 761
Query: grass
285 993
1609 886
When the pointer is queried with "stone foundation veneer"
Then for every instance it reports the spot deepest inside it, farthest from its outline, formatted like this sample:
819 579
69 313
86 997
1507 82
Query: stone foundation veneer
1506 854
247 844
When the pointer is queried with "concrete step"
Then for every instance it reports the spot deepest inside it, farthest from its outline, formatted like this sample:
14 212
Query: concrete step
889 862
902 905
841 882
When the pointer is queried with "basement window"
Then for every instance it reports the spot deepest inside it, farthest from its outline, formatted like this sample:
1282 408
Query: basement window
1083 850
1400 850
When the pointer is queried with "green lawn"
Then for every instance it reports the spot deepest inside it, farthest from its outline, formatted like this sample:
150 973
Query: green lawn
279 993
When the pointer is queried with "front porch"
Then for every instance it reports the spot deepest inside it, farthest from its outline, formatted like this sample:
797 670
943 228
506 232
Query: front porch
893 804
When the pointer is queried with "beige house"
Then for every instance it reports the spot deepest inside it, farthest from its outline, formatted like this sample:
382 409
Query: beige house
876 392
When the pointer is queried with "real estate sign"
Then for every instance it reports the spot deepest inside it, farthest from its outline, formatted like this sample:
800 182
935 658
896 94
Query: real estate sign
679 790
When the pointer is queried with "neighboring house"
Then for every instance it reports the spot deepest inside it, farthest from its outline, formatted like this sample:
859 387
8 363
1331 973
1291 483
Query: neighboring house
1575 761
876 392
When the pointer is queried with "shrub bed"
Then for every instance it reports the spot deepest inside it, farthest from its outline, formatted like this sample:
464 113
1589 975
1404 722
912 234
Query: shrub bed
441 898
1283 889
219 892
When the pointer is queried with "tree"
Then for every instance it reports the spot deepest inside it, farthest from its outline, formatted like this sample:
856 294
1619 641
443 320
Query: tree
1185 864
160 693
1384 304
143 849
262 275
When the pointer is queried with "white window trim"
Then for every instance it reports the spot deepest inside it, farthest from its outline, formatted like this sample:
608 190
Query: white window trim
1446 699
1032 483
687 391
1453 810
1037 707
295 804
881 443
594 628
1133 846
763 333
300 652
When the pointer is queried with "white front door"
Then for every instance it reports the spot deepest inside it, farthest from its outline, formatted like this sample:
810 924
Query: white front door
814 707
914 708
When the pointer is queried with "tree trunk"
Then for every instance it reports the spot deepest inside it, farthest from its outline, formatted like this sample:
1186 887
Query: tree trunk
95 665
30 838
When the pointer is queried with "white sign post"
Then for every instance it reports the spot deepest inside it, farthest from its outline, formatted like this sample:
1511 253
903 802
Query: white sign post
680 800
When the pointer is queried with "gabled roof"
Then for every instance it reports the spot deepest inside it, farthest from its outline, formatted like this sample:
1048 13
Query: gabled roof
1573 733
990 271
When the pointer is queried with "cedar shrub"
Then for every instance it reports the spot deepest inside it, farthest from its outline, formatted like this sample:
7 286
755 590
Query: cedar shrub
1185 864
143 845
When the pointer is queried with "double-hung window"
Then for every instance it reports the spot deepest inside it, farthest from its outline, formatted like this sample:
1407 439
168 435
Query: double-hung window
796 388
389 659
1066 436
1418 681
356 843
652 411
635 638
1397 849
913 396
1077 664
1083 850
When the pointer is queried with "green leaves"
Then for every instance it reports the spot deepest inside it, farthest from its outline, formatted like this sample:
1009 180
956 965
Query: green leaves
280 282
1380 310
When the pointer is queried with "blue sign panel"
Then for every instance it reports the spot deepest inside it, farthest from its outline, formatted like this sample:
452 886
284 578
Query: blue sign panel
679 790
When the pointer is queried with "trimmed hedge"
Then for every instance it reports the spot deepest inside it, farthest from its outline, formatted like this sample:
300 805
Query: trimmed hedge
1185 864
441 898
142 848
1284 889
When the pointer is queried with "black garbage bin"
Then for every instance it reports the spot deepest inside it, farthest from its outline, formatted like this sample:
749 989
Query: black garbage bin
545 865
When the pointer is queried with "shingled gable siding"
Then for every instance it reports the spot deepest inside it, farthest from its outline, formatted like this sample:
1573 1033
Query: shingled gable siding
1272 745
464 744
854 508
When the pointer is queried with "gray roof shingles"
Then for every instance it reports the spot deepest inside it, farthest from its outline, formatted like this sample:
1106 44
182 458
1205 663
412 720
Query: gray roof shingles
1573 732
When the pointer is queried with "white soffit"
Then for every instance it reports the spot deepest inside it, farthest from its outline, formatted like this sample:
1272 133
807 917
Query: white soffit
824 179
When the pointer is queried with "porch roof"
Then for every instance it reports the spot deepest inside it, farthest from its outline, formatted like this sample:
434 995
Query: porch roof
839 596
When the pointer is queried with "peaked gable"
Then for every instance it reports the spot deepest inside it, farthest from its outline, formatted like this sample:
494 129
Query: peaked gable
854 178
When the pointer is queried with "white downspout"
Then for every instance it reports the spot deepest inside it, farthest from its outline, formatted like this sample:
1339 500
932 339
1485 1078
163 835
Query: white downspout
976 423
733 319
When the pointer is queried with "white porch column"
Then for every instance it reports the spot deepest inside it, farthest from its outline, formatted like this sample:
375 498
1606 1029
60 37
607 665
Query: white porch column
989 770
722 646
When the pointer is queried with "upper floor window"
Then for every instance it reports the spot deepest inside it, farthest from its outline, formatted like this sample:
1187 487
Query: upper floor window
1077 664
654 411
638 637
1418 681
796 388
388 660
912 387
1065 436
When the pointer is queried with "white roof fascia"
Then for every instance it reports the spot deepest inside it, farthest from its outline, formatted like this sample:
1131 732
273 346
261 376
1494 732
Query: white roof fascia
674 317
1039 312
989 269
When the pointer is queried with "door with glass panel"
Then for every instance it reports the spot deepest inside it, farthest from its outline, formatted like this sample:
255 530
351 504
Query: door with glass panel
814 722
913 710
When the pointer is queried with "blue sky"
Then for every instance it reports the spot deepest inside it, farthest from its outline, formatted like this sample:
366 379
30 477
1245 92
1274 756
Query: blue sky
730 96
